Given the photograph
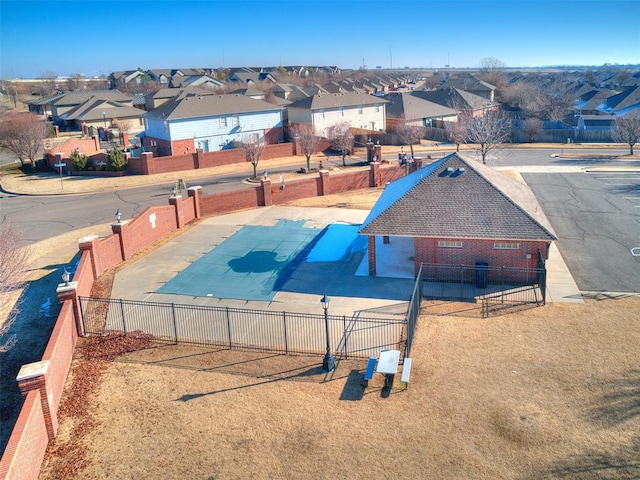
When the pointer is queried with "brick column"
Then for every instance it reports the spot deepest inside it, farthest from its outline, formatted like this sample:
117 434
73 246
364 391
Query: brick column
96 142
147 159
377 151
33 376
195 193
70 292
121 230
324 183
267 199
176 201
370 153
418 162
198 158
125 138
87 244
374 174
371 254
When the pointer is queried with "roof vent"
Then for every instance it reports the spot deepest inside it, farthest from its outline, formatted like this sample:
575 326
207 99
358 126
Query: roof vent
461 169
449 169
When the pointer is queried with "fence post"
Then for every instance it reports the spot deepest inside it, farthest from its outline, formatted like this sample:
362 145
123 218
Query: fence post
503 286
175 323
344 334
228 327
461 274
286 339
124 322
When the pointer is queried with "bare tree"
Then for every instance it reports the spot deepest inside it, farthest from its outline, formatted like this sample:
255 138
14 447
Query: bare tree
409 134
307 139
253 146
457 131
14 263
627 130
492 70
488 132
341 138
532 128
74 82
48 82
22 134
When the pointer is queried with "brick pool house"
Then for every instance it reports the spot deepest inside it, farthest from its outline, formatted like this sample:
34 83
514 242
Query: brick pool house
460 212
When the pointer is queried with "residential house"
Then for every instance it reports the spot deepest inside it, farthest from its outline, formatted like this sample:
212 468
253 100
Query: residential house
210 122
471 84
42 105
457 99
78 110
203 81
413 110
97 115
324 110
460 212
157 98
120 80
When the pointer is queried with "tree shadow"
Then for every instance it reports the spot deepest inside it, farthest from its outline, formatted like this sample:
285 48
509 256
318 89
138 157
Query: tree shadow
37 312
619 401
621 463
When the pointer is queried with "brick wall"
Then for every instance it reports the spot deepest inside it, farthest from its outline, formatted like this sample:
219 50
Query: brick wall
476 250
28 442
108 253
146 228
84 274
219 203
303 188
59 352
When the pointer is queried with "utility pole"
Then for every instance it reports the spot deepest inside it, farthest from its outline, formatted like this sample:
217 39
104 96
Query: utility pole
390 57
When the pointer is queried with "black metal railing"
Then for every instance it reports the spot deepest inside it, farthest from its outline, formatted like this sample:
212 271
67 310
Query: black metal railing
492 286
242 329
414 312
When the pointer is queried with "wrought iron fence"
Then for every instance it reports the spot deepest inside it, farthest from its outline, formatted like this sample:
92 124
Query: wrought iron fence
243 329
490 285
414 312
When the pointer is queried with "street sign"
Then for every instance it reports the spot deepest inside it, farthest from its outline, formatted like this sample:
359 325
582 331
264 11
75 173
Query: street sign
60 164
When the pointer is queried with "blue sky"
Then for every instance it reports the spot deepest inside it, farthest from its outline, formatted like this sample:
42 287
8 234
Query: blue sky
95 37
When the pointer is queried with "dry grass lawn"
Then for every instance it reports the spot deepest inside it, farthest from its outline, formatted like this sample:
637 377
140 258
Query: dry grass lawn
550 392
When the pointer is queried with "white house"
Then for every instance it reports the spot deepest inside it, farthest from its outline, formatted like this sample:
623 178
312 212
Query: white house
210 122
325 109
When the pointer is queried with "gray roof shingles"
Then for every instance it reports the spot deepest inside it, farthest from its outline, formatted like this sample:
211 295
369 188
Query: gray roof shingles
478 203
196 106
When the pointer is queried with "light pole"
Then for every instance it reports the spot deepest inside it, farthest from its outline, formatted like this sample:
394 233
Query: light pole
104 119
328 362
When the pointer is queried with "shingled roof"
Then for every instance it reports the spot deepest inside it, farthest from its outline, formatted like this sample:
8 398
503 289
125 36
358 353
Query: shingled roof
198 106
335 100
458 198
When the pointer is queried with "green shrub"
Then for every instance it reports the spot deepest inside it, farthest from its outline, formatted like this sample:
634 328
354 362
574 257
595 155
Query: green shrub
79 160
116 160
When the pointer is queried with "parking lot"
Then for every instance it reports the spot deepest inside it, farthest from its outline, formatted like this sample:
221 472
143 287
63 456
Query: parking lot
596 215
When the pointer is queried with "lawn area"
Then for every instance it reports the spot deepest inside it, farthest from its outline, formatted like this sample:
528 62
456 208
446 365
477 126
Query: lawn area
549 392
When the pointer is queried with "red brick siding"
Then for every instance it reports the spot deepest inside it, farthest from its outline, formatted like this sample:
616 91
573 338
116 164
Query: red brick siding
472 251
303 188
219 203
274 135
187 209
84 274
222 157
139 233
59 352
277 151
25 450
344 182
107 253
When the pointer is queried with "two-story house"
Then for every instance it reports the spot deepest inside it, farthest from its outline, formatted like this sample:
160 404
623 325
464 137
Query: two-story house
359 110
211 123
